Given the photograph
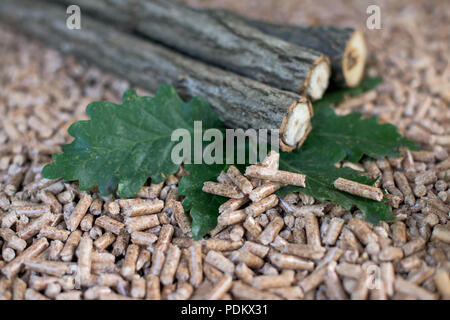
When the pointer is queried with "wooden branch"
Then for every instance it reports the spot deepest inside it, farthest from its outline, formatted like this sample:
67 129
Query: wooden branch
240 102
346 47
220 39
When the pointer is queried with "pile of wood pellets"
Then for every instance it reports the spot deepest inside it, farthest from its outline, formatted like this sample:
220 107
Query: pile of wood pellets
58 242
63 243
325 244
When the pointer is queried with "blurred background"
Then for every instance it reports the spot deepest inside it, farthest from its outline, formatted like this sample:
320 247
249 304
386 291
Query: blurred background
42 91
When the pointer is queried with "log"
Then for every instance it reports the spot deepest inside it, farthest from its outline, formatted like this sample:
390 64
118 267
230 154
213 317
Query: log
240 102
222 40
346 47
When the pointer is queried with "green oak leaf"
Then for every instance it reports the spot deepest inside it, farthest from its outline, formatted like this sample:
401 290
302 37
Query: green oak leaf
336 96
320 178
203 207
352 136
335 138
122 145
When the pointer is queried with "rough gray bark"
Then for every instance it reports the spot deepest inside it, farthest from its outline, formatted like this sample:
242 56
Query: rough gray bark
240 102
329 40
217 38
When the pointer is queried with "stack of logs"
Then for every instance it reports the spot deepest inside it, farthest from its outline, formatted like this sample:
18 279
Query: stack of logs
254 74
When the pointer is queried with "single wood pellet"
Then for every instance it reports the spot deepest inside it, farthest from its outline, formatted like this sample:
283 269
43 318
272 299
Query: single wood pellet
359 189
69 295
212 274
54 233
182 218
165 236
55 268
129 264
71 244
12 239
312 230
403 185
18 289
274 281
256 248
49 198
141 222
158 258
223 190
138 288
335 290
314 279
256 208
35 226
220 288
8 254
104 241
263 191
143 238
271 231
96 206
87 222
244 273
136 207
333 230
231 217
112 208
233 204
84 253
217 260
245 256
415 291
32 211
442 281
121 243
284 177
297 249
79 212
110 224
95 232
239 180
285 261
246 292
252 226
170 265
31 294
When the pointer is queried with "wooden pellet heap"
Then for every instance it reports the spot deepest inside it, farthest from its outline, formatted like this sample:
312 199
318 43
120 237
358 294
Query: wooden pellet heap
58 242
63 243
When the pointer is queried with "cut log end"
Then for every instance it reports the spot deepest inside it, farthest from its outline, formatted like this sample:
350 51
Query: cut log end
354 59
319 78
296 125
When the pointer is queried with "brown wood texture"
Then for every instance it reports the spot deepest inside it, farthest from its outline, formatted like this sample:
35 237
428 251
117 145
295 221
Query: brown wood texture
215 37
240 102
